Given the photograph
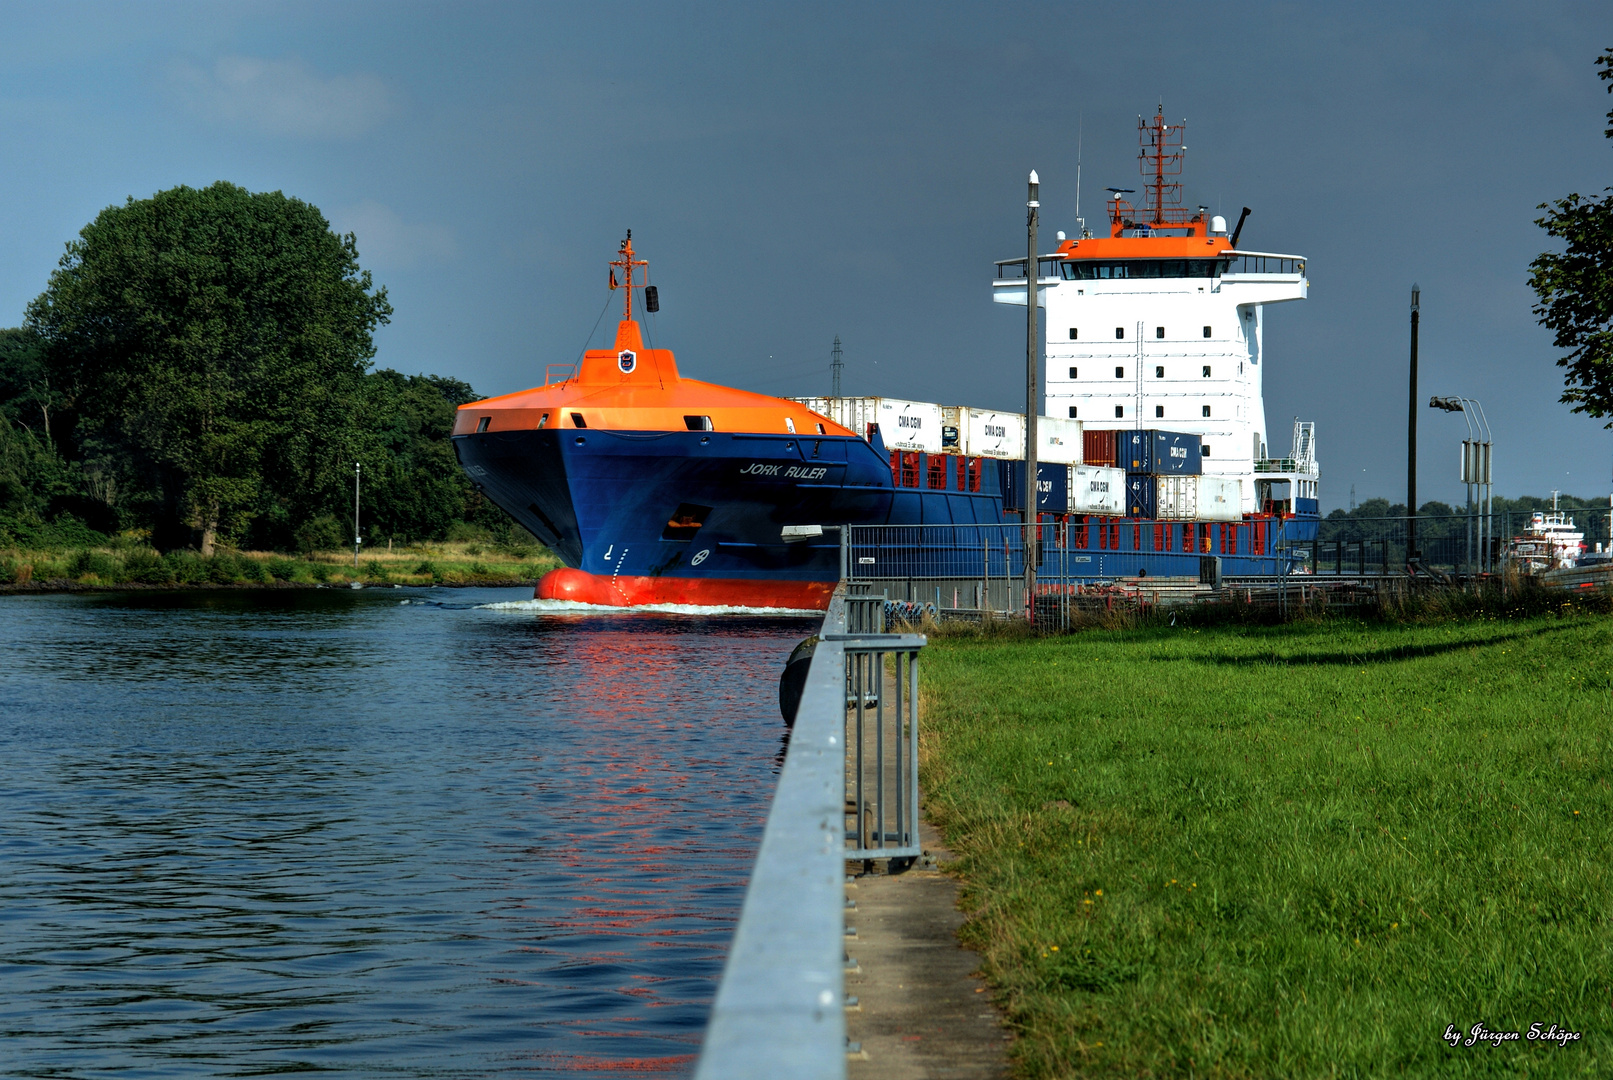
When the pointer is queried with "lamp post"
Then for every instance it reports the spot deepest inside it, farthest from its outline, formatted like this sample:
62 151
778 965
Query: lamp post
1476 475
1032 487
1412 553
357 539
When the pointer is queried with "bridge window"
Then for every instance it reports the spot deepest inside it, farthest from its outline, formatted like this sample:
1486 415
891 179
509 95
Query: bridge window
1110 270
700 423
481 425
577 420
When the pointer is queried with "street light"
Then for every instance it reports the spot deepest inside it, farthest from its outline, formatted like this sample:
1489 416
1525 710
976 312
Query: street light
1475 472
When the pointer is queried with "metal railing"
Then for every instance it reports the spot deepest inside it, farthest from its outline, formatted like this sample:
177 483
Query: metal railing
780 1010
882 746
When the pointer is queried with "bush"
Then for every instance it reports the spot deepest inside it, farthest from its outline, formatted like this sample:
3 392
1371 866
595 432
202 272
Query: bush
461 532
479 570
93 564
430 569
147 568
283 569
323 533
187 567
320 572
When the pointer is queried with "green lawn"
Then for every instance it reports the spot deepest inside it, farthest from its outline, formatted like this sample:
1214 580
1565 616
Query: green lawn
1288 851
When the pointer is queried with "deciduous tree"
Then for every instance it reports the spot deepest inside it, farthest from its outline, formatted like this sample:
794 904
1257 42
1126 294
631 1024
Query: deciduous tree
214 343
1575 287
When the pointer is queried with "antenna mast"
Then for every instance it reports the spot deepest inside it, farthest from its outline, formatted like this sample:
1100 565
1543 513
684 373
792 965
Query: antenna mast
835 365
1163 150
626 261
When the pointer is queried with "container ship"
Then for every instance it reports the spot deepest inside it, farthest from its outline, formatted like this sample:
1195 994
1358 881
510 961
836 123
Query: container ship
653 488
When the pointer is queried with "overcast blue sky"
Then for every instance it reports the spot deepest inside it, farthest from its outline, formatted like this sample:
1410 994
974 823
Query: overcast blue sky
794 172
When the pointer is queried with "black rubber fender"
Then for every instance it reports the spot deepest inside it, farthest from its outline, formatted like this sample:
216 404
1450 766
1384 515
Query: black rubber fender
792 681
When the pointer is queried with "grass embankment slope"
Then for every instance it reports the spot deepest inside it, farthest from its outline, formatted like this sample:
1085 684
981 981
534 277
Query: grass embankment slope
1285 852
120 565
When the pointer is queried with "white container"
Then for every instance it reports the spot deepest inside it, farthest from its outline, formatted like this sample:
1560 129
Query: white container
1058 440
1097 489
1198 498
853 413
992 434
909 425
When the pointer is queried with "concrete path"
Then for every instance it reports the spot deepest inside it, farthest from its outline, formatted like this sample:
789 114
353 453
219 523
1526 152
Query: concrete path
921 1011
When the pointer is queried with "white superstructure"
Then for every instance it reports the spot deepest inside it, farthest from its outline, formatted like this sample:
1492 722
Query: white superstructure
1160 324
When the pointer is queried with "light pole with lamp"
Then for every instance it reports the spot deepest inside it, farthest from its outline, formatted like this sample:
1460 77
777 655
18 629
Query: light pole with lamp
1476 475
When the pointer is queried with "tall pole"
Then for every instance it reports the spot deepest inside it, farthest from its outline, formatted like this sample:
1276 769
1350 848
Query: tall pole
357 537
835 364
1031 488
1412 554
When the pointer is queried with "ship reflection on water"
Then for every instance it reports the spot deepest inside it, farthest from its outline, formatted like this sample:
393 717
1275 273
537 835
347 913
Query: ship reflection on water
337 831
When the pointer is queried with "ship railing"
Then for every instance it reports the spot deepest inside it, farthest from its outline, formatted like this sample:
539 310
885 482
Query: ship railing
565 371
780 1008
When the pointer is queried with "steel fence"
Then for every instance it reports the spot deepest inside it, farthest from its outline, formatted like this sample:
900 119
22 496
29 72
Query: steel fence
849 789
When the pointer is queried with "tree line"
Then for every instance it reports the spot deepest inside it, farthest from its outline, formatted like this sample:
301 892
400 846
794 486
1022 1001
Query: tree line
199 369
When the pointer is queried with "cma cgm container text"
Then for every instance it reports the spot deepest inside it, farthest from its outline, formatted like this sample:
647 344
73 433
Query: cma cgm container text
1052 481
1159 452
1097 489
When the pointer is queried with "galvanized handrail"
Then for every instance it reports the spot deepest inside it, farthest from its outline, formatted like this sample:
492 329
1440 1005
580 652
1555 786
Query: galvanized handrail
780 1011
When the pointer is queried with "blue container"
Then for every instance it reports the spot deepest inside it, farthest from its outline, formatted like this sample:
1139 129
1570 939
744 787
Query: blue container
1141 494
1052 481
1160 453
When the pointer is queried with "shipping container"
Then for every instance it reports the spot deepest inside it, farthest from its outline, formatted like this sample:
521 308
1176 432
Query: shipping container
1098 448
1059 440
1096 489
903 425
1141 495
1053 482
1160 452
992 434
910 425
1198 498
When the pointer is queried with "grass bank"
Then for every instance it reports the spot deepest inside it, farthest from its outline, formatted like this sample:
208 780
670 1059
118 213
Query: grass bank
133 563
1298 851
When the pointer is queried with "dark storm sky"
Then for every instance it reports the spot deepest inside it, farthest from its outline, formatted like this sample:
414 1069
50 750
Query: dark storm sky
796 172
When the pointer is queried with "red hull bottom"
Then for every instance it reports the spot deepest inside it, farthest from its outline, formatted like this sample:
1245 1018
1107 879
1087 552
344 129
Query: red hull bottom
585 588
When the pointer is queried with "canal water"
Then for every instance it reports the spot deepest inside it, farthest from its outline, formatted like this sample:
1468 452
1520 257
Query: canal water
377 833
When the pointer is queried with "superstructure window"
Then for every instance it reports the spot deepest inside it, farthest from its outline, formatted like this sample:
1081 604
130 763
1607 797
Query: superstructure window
1120 333
481 425
1159 371
1120 373
698 423
1206 371
543 422
1206 411
1205 450
1072 413
1159 412
1206 331
1159 331
1108 270
577 420
1073 335
1120 411
1073 374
